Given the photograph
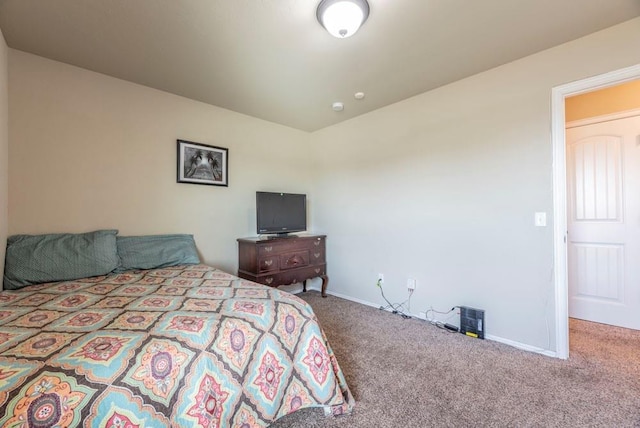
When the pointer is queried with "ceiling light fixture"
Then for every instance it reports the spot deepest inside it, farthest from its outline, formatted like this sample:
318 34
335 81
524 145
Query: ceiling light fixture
342 18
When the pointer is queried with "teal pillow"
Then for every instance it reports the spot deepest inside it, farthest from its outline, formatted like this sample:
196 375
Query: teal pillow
156 251
33 259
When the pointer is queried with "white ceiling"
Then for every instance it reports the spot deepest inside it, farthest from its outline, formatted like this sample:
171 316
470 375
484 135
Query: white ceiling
271 59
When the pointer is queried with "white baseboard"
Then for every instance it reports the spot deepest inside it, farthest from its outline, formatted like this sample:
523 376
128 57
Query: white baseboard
522 346
502 340
353 299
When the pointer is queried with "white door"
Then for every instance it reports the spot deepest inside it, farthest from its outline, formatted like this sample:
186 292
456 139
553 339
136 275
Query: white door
603 177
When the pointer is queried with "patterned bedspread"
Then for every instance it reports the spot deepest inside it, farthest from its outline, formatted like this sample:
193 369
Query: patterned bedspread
189 346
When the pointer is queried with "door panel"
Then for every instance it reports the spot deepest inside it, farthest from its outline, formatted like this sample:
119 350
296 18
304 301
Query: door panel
603 177
596 164
599 271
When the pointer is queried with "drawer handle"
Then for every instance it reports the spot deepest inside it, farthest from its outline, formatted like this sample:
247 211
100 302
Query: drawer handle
267 249
295 281
268 262
317 270
268 280
316 243
316 255
294 261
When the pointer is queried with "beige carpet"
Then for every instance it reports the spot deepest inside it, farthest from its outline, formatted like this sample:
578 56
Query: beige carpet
407 373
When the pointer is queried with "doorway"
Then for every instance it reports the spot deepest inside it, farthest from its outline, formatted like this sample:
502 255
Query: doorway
559 94
603 238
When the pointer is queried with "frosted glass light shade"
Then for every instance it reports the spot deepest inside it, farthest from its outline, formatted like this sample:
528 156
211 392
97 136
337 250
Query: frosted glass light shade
342 18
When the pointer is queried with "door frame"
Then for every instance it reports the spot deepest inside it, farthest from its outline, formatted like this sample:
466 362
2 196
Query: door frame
558 123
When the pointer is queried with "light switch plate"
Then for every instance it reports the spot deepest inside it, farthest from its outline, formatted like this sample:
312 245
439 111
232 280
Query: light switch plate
541 219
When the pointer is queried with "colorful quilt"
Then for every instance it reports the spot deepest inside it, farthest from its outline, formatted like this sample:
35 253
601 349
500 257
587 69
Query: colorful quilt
187 346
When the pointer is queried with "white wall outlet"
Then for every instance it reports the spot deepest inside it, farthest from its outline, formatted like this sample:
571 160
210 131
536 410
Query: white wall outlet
422 315
541 219
411 284
381 277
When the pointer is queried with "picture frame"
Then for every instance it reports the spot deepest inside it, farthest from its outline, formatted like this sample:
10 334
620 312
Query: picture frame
202 164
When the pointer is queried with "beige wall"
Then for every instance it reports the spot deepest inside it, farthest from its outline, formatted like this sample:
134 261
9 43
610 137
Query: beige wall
615 99
443 188
89 151
4 149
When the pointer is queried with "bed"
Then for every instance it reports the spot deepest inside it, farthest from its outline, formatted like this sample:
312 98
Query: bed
185 345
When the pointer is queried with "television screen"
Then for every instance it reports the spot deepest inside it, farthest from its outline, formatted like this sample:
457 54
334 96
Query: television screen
281 213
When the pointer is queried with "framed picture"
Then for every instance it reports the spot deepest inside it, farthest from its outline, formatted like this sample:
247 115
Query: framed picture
202 164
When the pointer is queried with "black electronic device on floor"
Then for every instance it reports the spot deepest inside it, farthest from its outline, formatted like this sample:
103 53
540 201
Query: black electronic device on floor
472 322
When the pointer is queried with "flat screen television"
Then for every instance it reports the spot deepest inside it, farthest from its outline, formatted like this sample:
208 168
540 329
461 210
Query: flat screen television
281 213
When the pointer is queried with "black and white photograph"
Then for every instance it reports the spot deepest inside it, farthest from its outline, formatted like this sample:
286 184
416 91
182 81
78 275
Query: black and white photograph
202 164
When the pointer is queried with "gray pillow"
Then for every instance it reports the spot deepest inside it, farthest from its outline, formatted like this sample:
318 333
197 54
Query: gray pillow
156 251
33 259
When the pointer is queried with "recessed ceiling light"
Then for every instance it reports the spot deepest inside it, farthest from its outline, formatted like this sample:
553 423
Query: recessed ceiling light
337 106
358 95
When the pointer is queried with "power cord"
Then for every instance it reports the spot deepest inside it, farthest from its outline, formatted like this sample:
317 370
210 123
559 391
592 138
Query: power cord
395 308
441 324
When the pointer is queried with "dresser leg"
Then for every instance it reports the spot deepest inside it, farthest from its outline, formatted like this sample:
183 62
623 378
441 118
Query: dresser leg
304 286
325 281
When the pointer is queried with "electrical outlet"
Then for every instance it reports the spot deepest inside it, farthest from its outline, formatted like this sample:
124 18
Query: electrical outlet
422 315
411 284
381 277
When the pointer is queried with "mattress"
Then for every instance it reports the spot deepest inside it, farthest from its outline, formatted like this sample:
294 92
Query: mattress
184 346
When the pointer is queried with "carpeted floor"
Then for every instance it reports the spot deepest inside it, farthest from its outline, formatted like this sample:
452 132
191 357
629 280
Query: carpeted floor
408 373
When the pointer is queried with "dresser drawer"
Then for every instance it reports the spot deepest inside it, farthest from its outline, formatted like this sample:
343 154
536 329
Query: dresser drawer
294 260
268 250
317 256
292 276
287 245
268 264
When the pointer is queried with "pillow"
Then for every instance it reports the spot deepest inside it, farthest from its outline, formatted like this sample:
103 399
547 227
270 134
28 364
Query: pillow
33 259
155 251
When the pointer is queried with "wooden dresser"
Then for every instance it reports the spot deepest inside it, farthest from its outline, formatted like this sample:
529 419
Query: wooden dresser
283 261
